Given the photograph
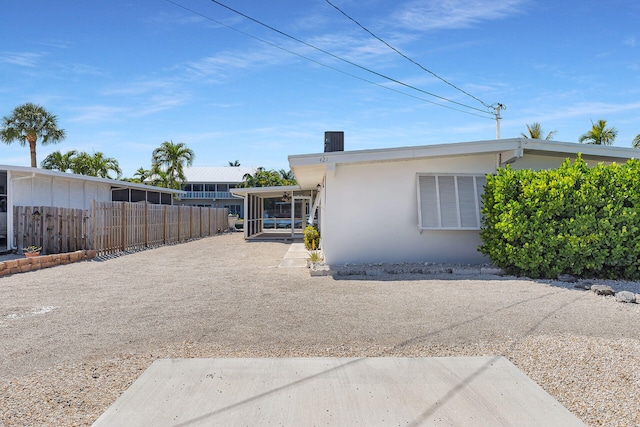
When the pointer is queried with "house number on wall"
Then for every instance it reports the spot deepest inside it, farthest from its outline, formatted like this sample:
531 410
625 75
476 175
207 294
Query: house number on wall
324 159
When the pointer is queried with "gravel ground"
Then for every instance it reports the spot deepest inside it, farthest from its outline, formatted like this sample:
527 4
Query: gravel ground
74 337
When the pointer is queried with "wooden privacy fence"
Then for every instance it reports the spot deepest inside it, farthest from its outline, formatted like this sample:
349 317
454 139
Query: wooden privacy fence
110 227
56 230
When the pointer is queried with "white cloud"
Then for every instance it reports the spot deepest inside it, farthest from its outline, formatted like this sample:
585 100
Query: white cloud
24 59
630 41
140 87
440 14
98 113
158 103
225 63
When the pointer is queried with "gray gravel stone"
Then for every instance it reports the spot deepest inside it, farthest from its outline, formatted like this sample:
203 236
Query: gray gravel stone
465 271
602 290
626 296
373 272
495 271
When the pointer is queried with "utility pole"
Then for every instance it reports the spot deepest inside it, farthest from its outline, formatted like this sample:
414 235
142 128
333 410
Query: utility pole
498 107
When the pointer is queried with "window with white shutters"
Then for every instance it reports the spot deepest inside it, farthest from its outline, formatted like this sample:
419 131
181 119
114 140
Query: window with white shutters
450 202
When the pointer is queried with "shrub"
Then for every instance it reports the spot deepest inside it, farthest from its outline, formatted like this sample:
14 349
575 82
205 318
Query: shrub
574 219
315 256
311 238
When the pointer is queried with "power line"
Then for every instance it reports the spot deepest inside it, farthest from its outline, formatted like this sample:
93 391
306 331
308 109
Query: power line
322 64
345 60
406 57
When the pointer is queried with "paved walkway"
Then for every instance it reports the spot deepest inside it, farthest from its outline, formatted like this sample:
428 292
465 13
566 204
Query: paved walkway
296 256
446 391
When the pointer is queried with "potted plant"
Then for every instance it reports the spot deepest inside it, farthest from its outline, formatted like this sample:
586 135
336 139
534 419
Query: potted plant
32 251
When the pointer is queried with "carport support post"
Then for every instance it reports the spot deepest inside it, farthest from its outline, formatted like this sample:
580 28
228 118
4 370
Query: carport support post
293 216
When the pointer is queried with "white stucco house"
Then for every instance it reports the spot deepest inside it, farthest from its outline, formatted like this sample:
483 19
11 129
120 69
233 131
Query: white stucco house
417 204
26 186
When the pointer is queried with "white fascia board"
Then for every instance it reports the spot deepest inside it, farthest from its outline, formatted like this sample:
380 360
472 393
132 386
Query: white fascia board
19 170
605 152
405 153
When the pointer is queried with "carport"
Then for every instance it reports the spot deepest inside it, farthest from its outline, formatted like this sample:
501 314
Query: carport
279 213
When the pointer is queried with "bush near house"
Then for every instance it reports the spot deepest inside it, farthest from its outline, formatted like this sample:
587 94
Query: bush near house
575 220
311 238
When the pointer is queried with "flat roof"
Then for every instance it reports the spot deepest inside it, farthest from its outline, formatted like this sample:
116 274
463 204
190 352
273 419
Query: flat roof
114 183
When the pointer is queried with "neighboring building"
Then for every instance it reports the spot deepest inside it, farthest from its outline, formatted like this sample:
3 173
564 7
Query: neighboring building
211 186
25 186
417 204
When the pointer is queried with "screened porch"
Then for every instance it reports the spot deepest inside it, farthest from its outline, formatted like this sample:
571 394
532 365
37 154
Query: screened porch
276 213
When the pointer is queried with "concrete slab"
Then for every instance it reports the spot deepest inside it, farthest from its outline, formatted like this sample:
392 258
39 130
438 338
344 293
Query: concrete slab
464 391
296 256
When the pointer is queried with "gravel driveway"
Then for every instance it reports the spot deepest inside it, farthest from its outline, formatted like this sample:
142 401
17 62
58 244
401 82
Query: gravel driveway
74 337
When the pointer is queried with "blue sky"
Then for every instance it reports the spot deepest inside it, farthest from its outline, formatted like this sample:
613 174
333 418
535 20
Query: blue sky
124 76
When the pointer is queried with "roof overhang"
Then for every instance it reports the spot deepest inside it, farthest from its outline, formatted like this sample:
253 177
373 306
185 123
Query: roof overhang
310 169
265 192
22 171
588 151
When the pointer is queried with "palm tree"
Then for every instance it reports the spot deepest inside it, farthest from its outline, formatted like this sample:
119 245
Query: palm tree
267 178
636 141
159 178
287 177
27 123
142 174
599 134
171 159
58 161
534 131
235 163
101 166
96 165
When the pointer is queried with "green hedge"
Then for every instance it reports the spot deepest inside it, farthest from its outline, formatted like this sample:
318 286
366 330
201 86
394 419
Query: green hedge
575 219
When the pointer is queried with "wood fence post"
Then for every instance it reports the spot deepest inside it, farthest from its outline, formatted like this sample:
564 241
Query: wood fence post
123 232
94 222
179 221
164 226
146 225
